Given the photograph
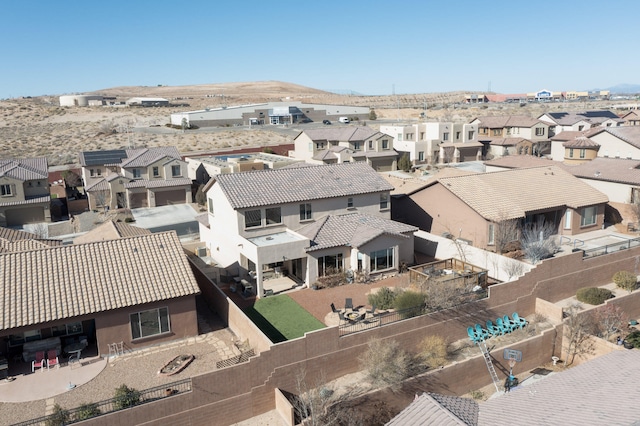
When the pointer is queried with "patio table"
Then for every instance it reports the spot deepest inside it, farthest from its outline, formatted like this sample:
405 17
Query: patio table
74 349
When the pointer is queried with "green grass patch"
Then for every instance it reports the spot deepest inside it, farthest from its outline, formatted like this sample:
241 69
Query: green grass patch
281 318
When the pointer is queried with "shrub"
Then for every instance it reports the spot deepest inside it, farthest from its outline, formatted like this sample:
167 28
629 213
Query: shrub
129 219
433 351
593 295
634 338
407 300
625 280
88 410
386 363
59 417
383 298
333 278
126 397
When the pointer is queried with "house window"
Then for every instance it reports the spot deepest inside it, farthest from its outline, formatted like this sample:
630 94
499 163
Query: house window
484 130
580 128
539 131
136 173
582 153
149 323
273 215
370 144
5 190
305 211
457 136
497 132
350 202
175 170
400 137
492 235
210 203
356 146
445 136
588 216
472 134
421 136
92 172
330 264
381 259
319 145
421 156
567 219
409 136
570 152
156 171
252 218
385 144
384 201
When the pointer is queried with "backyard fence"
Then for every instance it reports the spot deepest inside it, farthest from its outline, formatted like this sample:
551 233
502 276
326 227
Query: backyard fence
611 248
87 411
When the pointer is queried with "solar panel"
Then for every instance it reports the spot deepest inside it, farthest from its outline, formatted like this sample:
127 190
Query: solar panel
94 158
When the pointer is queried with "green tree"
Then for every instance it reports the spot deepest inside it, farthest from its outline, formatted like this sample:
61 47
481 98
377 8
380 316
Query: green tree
59 417
625 280
372 114
404 163
126 397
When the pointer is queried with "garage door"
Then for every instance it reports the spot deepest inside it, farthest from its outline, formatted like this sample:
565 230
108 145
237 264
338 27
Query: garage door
138 200
165 198
17 217
383 165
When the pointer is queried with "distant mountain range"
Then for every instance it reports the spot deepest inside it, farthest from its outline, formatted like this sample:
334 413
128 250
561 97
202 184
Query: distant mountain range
623 88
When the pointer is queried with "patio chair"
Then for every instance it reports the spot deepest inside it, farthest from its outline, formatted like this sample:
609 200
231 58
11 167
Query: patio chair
472 335
508 321
333 308
373 310
506 328
481 332
494 329
52 359
39 362
348 303
341 316
521 322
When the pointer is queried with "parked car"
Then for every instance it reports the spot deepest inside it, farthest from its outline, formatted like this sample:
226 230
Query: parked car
326 122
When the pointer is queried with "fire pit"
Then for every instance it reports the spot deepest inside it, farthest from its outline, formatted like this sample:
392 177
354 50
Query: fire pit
176 365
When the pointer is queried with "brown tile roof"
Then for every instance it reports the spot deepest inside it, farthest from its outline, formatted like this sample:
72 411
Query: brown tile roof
504 141
581 142
111 230
352 230
435 409
349 134
629 134
513 193
23 245
24 169
160 183
501 121
81 279
34 200
15 240
290 185
603 391
570 118
143 157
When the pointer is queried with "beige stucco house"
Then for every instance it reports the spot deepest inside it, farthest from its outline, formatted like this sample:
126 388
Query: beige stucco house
24 191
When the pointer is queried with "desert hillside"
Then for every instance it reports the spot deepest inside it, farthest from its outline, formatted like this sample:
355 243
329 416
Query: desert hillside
40 127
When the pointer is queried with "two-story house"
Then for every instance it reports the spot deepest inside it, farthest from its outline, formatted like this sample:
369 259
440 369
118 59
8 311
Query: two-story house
24 191
303 222
512 135
436 142
347 144
132 178
579 121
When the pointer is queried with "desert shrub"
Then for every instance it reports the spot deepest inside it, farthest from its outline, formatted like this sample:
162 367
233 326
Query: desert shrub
593 295
88 410
59 417
433 351
625 280
126 397
383 298
333 278
407 300
386 363
129 219
634 338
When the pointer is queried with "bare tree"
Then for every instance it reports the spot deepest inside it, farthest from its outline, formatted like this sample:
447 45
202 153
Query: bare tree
102 197
538 241
386 363
577 332
71 179
609 320
41 229
505 234
513 268
317 402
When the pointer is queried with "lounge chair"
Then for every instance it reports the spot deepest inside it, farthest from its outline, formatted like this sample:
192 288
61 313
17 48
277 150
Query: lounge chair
39 362
506 328
333 308
472 335
52 359
510 322
521 322
481 332
348 303
494 329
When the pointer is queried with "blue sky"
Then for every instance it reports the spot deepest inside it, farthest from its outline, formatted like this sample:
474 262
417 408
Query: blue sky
370 47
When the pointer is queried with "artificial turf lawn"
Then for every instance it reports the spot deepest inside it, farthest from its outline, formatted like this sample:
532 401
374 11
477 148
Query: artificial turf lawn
280 318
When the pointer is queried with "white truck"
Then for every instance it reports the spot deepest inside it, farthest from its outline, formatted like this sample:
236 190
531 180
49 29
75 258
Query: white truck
344 120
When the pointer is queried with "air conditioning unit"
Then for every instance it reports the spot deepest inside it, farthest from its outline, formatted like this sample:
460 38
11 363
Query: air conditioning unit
201 251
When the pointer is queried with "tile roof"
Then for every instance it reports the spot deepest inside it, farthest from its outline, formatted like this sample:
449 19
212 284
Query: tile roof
352 230
603 391
111 230
616 170
513 193
438 410
24 169
143 157
37 286
581 142
34 200
160 183
290 185
570 118
15 235
629 134
349 134
503 141
500 121
567 135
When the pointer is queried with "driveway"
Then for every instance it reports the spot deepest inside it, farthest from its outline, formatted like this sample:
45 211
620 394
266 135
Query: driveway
178 217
